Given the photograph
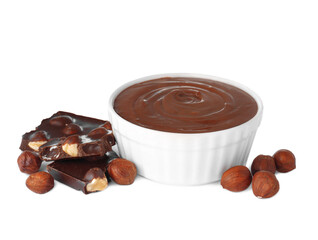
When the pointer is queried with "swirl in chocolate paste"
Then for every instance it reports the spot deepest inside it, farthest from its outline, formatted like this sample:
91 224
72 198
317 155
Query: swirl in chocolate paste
185 105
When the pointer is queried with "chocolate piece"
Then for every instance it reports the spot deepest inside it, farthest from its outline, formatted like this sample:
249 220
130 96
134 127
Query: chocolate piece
85 174
66 135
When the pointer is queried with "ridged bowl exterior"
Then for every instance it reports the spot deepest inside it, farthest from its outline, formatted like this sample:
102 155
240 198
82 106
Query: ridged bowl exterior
184 158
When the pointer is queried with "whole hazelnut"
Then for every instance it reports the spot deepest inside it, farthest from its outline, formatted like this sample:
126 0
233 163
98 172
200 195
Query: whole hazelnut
285 160
28 162
236 179
263 162
60 121
97 133
265 184
71 129
40 182
122 171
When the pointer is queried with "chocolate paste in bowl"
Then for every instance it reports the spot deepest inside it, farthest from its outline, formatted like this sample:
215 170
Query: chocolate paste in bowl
185 105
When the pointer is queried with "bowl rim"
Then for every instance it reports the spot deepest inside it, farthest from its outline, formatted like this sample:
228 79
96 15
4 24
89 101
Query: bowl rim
194 75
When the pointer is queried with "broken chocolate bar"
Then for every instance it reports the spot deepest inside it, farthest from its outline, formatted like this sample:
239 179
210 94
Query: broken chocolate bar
85 174
66 135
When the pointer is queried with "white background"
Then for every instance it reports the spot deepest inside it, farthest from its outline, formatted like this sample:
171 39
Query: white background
71 55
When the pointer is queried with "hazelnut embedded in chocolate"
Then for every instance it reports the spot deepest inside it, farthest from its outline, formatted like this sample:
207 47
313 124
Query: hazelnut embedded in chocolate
38 136
92 148
37 140
107 125
96 180
86 173
60 121
71 129
60 126
70 145
97 133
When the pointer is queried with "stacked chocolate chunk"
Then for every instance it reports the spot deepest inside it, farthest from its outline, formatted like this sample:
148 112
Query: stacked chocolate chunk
78 147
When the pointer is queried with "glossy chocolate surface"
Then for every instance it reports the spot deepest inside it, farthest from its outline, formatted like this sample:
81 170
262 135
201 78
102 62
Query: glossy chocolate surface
185 105
73 172
93 137
76 173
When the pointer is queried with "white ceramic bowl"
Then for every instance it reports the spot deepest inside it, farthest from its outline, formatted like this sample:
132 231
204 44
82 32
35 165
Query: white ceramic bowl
184 158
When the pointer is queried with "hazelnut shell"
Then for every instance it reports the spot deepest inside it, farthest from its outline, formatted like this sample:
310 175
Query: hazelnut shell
285 160
29 162
40 182
94 173
263 162
122 171
265 184
236 179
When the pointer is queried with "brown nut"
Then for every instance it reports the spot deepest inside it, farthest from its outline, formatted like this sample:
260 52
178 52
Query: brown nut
285 160
107 125
40 182
71 129
28 162
265 184
60 121
70 145
122 171
96 180
263 162
97 133
38 136
236 179
37 139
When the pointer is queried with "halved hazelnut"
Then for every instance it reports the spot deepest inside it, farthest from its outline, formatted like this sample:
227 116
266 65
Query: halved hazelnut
70 145
98 184
96 179
37 139
36 145
70 149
